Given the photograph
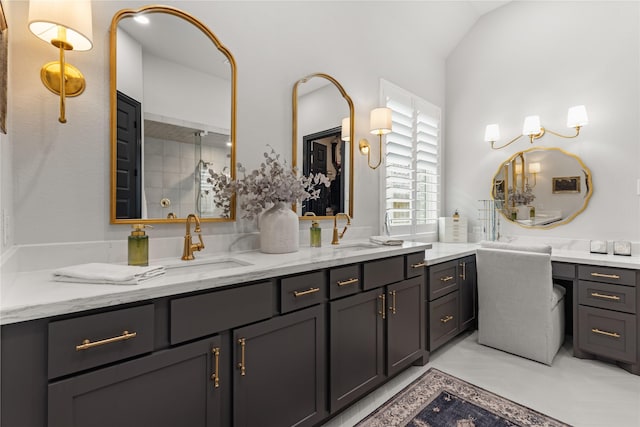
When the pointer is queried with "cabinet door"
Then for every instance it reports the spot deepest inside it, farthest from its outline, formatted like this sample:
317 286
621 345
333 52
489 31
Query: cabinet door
357 346
280 371
467 292
169 388
405 331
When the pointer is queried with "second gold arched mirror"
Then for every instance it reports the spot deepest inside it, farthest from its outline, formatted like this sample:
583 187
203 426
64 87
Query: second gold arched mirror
542 187
173 116
320 107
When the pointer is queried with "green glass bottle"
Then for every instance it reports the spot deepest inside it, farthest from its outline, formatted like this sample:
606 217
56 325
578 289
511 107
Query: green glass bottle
316 235
139 246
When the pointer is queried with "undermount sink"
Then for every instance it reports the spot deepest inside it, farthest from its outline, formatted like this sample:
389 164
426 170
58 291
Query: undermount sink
200 264
356 246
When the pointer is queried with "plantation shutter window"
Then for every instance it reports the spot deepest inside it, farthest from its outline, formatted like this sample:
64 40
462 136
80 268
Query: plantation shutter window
412 163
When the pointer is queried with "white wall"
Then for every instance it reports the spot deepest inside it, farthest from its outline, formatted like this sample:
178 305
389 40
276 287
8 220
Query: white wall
541 58
61 172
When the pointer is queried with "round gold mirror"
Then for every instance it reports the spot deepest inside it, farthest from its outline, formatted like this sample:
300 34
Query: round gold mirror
542 187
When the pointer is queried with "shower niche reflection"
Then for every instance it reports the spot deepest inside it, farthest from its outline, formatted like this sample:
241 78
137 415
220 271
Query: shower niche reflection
176 166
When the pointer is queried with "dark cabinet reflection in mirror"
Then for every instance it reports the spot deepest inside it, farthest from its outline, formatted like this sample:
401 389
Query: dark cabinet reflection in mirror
323 152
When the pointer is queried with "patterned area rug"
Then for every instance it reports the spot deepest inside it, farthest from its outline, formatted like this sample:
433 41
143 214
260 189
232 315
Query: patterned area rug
437 399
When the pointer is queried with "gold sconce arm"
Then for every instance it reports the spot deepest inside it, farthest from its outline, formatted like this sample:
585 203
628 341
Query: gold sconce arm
365 148
577 128
493 147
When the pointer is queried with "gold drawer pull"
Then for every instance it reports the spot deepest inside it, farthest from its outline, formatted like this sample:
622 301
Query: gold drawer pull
445 319
612 297
609 334
243 369
463 276
347 282
383 304
419 265
446 279
392 309
86 344
307 292
608 276
216 376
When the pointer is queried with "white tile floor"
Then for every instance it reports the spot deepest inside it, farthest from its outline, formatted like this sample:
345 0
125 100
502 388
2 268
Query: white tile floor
583 393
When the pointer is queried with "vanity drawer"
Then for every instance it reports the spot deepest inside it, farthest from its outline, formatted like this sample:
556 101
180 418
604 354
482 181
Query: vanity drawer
443 279
607 333
607 274
97 339
344 281
415 265
443 320
205 314
563 270
608 296
302 291
383 272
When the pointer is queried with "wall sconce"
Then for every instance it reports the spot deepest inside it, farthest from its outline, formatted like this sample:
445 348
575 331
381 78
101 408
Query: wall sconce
380 124
576 118
66 25
534 169
346 129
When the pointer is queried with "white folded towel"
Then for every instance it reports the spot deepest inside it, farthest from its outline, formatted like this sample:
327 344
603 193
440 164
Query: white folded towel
386 240
108 274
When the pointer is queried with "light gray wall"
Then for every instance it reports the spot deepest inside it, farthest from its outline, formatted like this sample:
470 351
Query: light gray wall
541 58
61 172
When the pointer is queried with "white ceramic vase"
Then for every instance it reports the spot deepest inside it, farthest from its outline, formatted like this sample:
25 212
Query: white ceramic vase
279 230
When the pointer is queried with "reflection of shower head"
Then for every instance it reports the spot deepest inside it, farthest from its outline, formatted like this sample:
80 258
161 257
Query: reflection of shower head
203 133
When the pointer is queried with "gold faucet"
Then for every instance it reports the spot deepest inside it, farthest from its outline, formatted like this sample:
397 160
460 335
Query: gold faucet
337 236
189 247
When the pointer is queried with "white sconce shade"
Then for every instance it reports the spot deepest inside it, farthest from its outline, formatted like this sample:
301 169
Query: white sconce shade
380 121
577 116
492 133
45 16
534 167
346 129
531 125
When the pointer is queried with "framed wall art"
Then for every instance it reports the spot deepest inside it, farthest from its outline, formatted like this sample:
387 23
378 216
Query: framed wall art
565 184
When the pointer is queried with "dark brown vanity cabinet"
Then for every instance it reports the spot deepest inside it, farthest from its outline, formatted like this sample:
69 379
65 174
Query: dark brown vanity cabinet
289 351
451 302
175 387
377 333
608 299
280 371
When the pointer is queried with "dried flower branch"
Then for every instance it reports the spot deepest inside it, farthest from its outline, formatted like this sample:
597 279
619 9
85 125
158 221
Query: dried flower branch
274 181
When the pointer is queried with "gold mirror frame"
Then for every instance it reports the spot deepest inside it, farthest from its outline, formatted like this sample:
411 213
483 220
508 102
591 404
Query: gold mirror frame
294 127
126 13
520 155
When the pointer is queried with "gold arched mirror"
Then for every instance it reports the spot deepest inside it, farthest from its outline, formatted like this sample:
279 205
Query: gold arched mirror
542 187
173 116
320 106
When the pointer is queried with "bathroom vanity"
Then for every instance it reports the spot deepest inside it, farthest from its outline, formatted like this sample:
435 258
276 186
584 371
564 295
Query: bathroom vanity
270 343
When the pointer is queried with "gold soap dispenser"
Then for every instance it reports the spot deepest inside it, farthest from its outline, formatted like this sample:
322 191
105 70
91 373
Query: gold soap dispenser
139 245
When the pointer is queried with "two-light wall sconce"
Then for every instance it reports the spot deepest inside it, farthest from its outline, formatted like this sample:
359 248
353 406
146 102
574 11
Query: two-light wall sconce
379 124
534 169
576 118
67 25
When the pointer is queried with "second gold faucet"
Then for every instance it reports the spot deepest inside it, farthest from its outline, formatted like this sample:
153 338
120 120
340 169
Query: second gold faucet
337 236
189 246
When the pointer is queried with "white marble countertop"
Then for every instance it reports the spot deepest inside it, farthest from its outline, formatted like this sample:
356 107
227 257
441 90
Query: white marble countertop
441 252
34 295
